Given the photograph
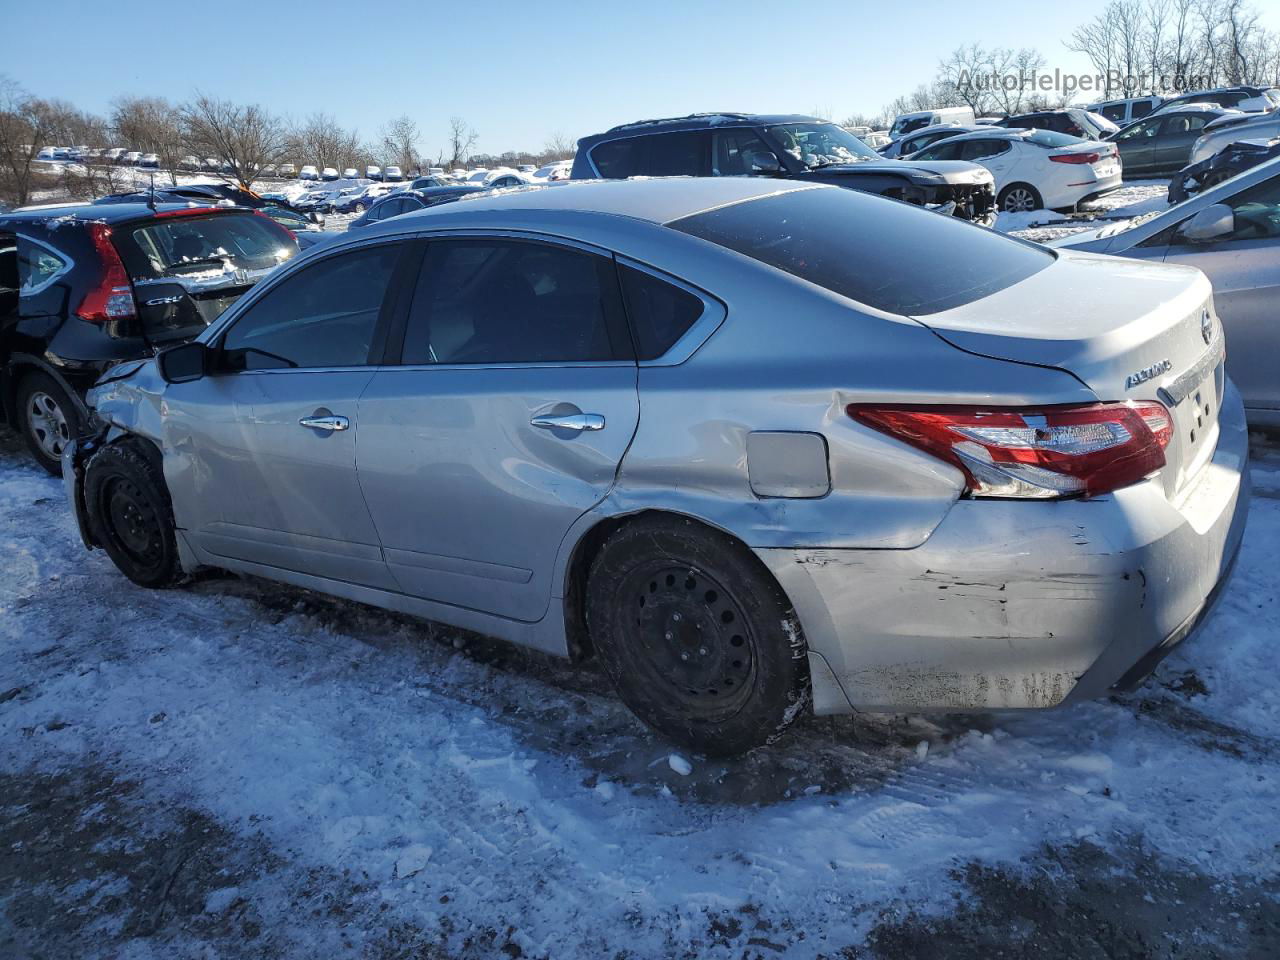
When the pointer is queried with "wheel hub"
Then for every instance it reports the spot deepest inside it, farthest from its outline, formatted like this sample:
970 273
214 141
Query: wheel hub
132 521
48 424
694 635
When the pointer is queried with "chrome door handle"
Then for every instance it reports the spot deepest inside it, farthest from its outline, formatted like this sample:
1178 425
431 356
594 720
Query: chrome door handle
325 423
569 421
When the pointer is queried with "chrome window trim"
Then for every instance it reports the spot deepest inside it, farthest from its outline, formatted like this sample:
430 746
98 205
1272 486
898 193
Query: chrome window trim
713 315
67 264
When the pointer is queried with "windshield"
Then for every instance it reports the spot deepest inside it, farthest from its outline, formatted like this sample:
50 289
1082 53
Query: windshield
820 144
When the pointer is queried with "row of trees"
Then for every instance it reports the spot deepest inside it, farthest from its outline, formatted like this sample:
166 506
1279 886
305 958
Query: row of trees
243 138
1134 46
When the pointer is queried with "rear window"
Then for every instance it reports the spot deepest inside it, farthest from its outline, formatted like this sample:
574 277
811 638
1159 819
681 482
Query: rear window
1051 138
886 254
192 246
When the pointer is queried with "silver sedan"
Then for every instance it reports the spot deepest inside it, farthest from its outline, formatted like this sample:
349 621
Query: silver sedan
761 448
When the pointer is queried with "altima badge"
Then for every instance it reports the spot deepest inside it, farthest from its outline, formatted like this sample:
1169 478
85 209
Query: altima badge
1147 373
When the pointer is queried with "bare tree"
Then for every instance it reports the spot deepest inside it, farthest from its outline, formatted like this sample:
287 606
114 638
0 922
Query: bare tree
558 147
244 138
400 138
150 125
322 141
462 137
24 126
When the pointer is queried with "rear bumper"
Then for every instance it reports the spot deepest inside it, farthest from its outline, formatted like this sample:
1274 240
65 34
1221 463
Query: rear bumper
1017 605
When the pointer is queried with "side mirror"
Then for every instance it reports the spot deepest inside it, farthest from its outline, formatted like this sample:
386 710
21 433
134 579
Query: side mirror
1212 223
763 162
183 363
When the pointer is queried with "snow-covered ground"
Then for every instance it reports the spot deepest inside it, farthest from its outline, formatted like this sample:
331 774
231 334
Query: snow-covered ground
1133 199
241 769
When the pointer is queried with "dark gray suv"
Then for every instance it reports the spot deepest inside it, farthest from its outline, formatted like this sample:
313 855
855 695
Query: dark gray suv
785 146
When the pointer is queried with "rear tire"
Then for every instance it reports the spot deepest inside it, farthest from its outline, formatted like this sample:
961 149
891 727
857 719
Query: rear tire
130 513
699 640
1019 198
47 417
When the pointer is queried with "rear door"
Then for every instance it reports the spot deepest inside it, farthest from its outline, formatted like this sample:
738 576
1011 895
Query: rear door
1244 269
1137 145
505 422
1178 131
187 268
262 452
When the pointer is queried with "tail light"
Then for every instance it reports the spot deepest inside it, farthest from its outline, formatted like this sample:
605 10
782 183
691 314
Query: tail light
1074 157
1044 453
112 297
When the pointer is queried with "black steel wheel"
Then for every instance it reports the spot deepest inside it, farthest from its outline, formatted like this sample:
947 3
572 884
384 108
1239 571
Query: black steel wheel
698 638
130 515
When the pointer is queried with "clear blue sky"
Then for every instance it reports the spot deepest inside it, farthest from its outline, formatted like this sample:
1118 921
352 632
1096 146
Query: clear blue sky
517 71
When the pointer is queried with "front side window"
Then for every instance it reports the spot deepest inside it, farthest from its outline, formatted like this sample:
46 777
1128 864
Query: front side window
490 301
740 153
864 247
38 266
1140 131
323 316
1140 108
1257 212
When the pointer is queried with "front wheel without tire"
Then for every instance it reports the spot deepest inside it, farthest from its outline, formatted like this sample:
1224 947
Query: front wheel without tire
698 639
130 514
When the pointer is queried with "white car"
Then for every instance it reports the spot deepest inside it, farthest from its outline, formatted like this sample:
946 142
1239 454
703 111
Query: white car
309 172
329 173
373 172
114 154
392 173
132 158
1227 130
350 173
149 160
499 177
1035 168
559 170
914 142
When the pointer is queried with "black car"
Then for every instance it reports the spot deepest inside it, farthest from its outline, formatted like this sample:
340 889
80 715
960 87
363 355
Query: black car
85 287
1160 144
1072 121
786 146
407 201
205 193
1232 159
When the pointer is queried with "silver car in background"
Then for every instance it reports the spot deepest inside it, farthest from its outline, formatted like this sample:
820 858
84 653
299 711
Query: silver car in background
1232 233
760 447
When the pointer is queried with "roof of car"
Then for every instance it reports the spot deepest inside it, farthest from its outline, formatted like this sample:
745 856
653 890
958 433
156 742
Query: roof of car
701 121
658 200
101 212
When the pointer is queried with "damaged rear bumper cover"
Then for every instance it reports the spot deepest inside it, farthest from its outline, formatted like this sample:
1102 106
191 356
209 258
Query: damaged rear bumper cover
1020 604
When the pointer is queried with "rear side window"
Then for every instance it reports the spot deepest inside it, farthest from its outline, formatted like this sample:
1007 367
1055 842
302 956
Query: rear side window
324 315
38 266
888 255
511 301
196 246
1140 108
943 151
683 154
660 312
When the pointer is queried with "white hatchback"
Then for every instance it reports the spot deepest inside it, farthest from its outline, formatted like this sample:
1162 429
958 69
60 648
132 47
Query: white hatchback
1035 168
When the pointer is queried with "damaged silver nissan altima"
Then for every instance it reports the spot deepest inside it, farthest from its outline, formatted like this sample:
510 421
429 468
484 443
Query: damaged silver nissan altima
759 447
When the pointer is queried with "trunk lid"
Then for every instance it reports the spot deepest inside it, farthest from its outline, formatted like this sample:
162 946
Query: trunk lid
1128 330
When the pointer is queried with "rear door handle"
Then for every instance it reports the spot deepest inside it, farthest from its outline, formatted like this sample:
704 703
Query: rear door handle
325 423
569 421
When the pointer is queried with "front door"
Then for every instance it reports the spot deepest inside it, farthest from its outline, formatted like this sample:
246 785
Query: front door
262 452
506 421
1244 268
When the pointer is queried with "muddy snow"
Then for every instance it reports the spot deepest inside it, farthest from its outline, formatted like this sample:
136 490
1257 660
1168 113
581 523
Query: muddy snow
236 768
